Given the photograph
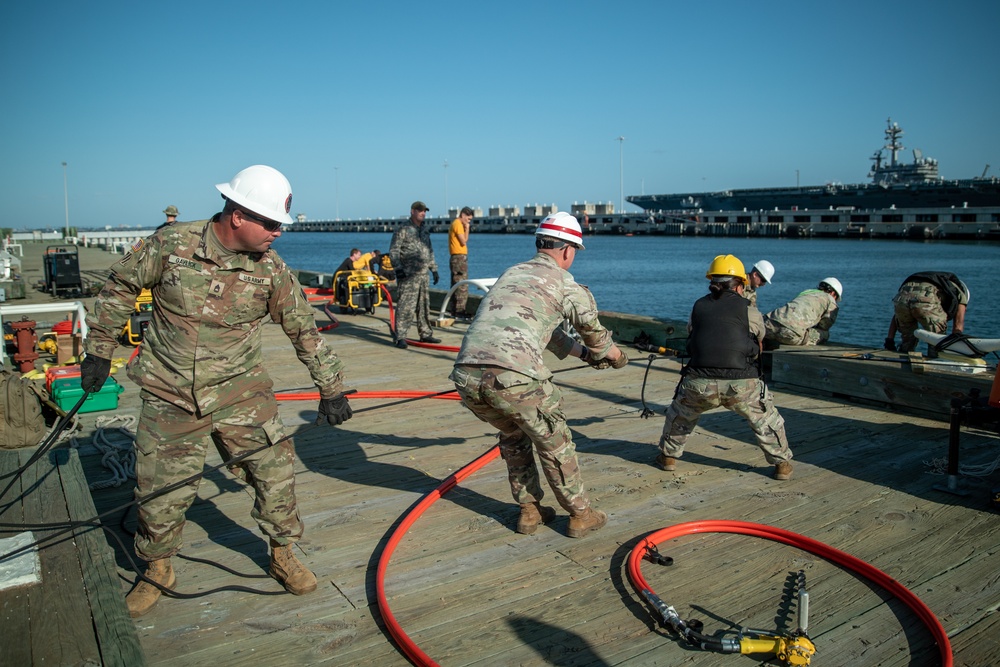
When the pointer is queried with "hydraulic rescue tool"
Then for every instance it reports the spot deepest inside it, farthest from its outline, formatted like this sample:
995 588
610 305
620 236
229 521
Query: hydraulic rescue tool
794 649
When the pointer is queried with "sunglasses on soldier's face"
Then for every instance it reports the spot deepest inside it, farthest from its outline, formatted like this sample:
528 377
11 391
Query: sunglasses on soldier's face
271 226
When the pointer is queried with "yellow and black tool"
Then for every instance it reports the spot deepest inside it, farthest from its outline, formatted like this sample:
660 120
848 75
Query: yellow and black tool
135 328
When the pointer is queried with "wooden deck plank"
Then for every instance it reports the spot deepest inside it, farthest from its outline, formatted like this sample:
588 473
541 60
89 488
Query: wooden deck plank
60 602
116 638
15 612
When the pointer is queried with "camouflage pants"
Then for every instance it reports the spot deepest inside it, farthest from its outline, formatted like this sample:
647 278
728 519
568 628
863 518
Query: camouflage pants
171 445
413 304
527 412
459 271
918 304
696 395
787 336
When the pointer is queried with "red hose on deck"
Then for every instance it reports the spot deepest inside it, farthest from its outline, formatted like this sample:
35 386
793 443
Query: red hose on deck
314 395
406 645
804 543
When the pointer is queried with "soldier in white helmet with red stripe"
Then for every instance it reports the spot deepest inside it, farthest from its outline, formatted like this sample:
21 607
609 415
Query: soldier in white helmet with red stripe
502 378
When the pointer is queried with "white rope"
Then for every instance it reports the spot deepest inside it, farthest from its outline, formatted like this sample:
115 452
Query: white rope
118 457
940 467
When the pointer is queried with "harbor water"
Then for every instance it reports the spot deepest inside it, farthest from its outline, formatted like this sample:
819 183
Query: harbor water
662 276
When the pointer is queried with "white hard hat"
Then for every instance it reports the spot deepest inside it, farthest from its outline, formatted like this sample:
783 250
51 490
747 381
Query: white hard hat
562 226
262 190
835 284
765 269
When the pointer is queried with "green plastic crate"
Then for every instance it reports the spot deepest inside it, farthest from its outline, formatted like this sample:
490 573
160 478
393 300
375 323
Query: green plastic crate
66 393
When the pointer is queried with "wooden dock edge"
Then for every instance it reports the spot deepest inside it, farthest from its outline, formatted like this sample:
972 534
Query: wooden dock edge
885 379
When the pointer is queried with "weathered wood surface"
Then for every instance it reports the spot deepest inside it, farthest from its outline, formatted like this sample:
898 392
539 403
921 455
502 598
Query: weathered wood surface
470 591
892 380
75 615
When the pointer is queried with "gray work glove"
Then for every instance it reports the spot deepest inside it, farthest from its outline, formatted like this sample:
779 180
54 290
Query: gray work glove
93 373
435 274
334 411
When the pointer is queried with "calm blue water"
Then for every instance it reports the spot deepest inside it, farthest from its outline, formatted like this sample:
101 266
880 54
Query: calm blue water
662 276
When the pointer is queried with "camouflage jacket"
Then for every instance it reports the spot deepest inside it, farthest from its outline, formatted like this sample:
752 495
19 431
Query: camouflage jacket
812 309
521 316
410 249
203 346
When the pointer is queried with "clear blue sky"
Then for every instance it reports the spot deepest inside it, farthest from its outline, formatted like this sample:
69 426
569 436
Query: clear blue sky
361 103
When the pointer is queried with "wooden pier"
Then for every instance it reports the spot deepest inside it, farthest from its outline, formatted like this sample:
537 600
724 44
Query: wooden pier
470 591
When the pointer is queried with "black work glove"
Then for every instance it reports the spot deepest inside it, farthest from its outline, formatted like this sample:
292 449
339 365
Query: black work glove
400 274
435 274
890 344
93 372
334 411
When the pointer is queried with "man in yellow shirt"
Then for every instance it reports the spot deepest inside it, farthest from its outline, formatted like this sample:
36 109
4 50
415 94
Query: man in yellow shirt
458 248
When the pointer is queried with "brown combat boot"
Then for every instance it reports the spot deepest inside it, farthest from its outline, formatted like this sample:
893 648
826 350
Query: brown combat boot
533 514
783 470
290 572
588 520
664 462
144 596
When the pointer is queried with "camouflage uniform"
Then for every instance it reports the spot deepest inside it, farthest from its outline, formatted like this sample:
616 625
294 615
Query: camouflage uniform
919 302
750 294
747 397
201 372
502 378
410 251
805 320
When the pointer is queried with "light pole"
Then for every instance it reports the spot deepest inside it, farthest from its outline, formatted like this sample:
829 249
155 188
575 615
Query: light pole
621 176
66 199
446 187
336 189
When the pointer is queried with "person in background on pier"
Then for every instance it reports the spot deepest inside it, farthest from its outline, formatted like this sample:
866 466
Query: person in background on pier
806 319
760 275
725 337
929 299
458 248
201 370
358 262
502 378
171 212
412 257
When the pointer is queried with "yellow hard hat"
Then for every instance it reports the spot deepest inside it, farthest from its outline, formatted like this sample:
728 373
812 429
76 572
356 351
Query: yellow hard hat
727 265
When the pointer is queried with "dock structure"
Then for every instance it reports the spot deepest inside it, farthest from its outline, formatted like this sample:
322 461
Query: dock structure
468 590
845 222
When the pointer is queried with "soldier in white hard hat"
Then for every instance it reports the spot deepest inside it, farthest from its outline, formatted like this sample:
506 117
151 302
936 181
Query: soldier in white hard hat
760 275
806 319
201 370
502 378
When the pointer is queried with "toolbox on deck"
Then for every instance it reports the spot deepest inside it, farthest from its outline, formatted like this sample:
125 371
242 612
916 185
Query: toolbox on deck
66 392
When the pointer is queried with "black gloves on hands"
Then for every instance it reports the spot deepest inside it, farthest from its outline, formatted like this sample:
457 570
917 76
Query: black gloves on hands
334 411
890 344
435 274
93 372
400 274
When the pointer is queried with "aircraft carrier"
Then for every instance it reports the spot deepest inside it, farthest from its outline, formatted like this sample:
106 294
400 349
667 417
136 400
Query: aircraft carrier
893 185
